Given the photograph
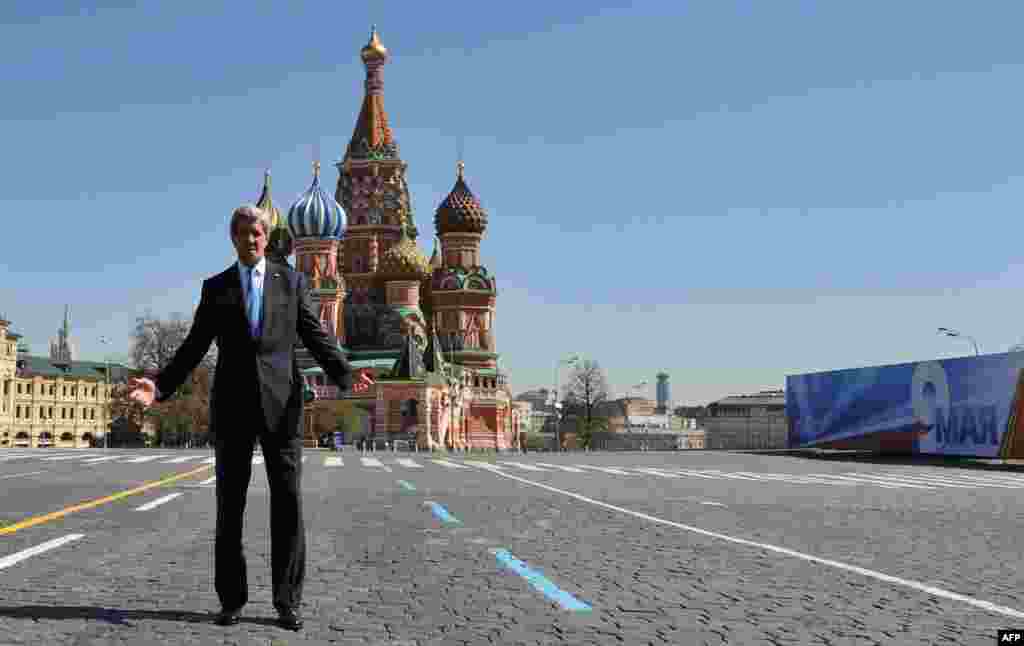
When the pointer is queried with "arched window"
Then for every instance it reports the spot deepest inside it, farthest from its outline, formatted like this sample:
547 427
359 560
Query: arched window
22 435
66 437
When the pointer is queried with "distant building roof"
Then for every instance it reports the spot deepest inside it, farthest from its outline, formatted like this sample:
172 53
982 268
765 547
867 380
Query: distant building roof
763 398
45 367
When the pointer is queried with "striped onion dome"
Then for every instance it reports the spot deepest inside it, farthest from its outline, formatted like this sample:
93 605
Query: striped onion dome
316 214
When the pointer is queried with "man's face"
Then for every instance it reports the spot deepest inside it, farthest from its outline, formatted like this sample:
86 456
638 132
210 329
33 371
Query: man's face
250 242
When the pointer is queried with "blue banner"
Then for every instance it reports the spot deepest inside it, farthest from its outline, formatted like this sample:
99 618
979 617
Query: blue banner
965 406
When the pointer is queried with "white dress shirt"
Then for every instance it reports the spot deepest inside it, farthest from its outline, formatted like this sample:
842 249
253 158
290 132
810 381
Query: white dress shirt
258 274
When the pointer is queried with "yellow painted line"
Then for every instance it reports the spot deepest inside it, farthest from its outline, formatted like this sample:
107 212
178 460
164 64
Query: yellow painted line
31 522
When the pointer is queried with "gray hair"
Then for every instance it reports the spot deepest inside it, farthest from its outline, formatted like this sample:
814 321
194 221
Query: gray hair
250 213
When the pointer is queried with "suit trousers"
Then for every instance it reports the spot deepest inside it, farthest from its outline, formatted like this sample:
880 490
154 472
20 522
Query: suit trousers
282 455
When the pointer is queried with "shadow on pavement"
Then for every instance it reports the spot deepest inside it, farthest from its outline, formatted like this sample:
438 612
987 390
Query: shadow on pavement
118 616
867 457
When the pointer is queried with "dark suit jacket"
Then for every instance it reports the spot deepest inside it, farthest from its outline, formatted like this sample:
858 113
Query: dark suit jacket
251 370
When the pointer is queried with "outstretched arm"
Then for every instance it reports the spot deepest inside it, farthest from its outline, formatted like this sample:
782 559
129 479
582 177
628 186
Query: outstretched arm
192 350
317 341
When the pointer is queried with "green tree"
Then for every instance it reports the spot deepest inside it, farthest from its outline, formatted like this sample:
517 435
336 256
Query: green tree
585 429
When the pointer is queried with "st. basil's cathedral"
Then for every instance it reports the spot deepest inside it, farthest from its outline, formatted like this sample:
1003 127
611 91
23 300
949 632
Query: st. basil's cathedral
422 327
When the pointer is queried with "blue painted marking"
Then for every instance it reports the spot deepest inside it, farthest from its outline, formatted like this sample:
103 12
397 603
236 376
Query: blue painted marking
442 513
408 486
540 583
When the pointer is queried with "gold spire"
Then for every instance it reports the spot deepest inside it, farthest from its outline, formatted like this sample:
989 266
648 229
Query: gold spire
316 169
267 204
461 167
374 49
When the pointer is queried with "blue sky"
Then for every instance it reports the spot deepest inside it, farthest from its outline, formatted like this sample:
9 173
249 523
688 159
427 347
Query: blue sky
729 192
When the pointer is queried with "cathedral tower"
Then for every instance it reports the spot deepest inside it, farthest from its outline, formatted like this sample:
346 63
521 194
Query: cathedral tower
373 191
463 292
315 224
371 182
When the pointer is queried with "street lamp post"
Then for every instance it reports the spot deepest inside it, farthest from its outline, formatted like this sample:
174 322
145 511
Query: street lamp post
954 333
570 360
106 372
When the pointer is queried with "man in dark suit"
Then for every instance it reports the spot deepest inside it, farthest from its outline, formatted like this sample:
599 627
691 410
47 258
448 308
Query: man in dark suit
256 310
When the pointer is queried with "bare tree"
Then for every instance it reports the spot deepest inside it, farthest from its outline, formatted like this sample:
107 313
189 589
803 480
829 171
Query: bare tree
586 391
155 341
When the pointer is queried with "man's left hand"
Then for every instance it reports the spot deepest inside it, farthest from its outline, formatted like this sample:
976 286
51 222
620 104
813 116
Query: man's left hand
363 384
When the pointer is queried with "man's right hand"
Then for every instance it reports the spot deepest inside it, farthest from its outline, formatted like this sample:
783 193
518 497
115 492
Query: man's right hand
142 390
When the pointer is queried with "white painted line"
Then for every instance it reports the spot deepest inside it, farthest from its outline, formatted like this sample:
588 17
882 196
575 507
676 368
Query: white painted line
979 481
18 475
898 482
159 501
713 504
17 557
863 481
524 466
483 465
795 479
618 472
257 459
954 482
987 475
696 474
412 464
449 464
887 578
146 458
65 457
561 467
209 480
917 481
654 472
333 461
305 457
731 476
179 460
103 459
371 462
212 460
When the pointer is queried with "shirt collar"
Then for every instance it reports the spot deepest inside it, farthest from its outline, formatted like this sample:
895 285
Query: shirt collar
261 267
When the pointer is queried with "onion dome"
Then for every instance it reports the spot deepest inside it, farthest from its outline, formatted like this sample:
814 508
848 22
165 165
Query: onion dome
374 50
404 260
267 204
461 211
315 214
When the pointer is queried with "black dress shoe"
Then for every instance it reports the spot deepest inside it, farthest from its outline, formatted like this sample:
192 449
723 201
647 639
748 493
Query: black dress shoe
289 618
229 617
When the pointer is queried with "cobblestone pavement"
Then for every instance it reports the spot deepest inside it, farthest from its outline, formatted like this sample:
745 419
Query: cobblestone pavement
405 549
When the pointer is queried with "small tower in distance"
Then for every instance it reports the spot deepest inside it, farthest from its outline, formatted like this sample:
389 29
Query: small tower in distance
63 350
663 394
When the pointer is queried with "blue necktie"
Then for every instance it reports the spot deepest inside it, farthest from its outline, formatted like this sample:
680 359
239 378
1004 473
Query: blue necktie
254 304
